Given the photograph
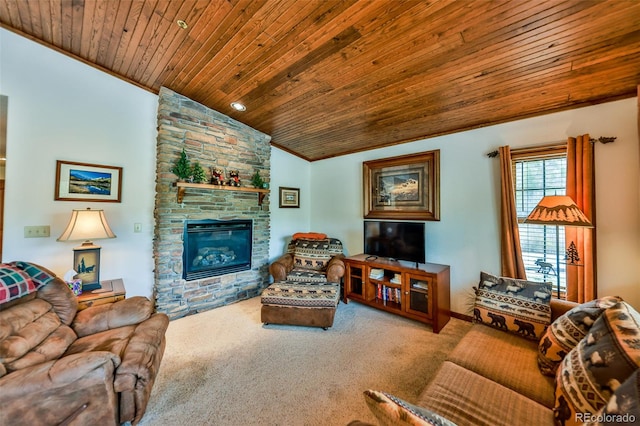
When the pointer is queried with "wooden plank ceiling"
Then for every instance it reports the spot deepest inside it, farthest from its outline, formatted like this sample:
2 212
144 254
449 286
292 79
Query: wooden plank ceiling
325 77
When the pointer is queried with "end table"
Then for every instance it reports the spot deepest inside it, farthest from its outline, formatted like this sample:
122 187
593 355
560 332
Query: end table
109 291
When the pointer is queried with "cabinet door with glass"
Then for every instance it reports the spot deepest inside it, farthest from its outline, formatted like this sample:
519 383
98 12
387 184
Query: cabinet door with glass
355 280
419 295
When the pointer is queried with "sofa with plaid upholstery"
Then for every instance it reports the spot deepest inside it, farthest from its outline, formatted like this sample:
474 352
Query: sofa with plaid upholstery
530 359
59 365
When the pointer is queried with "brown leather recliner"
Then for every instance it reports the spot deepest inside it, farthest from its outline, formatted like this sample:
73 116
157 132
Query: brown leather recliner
59 365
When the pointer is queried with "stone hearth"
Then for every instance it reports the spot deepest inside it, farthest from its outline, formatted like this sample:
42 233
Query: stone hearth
212 139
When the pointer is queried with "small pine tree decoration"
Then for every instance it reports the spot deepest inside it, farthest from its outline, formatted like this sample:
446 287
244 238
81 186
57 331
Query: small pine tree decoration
572 255
198 174
182 168
256 180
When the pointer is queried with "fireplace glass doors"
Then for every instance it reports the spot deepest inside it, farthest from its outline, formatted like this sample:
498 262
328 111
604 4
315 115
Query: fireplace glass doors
216 247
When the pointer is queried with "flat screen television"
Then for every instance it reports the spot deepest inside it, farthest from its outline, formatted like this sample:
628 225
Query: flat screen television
395 240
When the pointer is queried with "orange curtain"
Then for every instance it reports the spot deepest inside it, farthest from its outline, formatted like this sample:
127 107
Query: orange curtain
581 280
511 253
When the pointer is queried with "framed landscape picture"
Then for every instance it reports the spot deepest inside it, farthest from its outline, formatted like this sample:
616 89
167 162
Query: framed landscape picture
289 197
87 182
404 187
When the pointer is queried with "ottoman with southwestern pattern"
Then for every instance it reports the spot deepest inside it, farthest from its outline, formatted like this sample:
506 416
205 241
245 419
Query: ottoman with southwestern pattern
310 304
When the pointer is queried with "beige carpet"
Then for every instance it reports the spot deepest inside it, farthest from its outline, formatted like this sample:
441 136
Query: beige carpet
224 367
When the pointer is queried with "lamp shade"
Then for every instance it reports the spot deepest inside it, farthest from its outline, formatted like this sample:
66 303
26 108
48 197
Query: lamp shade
558 210
87 225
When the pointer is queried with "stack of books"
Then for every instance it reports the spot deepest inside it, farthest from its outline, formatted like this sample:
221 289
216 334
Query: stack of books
389 294
376 274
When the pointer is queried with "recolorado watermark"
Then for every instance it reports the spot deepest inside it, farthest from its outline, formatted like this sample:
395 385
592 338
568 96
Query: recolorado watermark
605 418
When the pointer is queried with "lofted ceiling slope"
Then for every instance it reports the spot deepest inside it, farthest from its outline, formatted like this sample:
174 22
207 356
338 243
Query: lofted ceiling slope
326 78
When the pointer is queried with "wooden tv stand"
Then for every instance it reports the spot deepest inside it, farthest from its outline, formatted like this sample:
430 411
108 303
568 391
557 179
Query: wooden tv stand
418 291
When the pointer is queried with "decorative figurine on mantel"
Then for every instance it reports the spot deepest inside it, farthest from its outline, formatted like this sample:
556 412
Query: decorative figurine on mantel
217 176
234 178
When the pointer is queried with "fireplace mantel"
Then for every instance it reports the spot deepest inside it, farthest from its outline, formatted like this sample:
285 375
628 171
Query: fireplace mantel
182 186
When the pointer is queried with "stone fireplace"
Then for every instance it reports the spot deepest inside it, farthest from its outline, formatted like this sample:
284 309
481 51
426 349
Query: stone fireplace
213 140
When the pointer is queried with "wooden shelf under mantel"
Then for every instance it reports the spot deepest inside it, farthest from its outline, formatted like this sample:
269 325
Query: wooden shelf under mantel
182 186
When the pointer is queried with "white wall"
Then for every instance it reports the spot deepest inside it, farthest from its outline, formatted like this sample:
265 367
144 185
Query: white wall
467 236
292 172
62 109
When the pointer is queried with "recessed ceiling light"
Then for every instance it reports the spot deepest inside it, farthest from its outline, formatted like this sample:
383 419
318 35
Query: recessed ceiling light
182 24
238 106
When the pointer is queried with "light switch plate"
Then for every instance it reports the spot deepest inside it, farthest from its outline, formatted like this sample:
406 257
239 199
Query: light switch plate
36 231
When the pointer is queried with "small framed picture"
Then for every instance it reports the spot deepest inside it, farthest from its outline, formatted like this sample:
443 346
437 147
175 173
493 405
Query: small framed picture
289 197
86 262
87 182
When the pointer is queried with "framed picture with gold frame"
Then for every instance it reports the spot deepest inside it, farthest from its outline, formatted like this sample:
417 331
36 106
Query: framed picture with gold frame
403 187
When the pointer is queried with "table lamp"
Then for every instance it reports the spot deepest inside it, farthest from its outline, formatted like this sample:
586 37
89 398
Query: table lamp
560 210
87 225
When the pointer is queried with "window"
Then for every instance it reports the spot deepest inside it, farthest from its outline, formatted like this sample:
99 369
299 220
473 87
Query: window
538 173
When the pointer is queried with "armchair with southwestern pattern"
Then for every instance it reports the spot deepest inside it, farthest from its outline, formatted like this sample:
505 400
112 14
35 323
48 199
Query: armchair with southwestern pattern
310 258
306 287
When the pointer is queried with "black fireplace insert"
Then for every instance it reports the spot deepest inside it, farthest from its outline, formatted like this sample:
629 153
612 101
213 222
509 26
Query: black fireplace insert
216 247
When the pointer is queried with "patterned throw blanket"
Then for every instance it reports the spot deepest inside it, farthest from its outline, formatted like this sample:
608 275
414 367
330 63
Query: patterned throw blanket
18 279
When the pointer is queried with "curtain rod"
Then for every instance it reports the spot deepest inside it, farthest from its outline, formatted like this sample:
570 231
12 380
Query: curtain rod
601 139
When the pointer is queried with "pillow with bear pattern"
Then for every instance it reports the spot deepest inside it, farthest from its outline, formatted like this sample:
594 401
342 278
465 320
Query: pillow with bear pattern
605 358
567 330
513 305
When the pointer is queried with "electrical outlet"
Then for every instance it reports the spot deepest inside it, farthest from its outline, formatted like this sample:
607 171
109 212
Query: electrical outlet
137 227
36 231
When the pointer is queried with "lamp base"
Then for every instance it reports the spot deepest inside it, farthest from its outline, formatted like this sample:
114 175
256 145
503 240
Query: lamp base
92 286
86 262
